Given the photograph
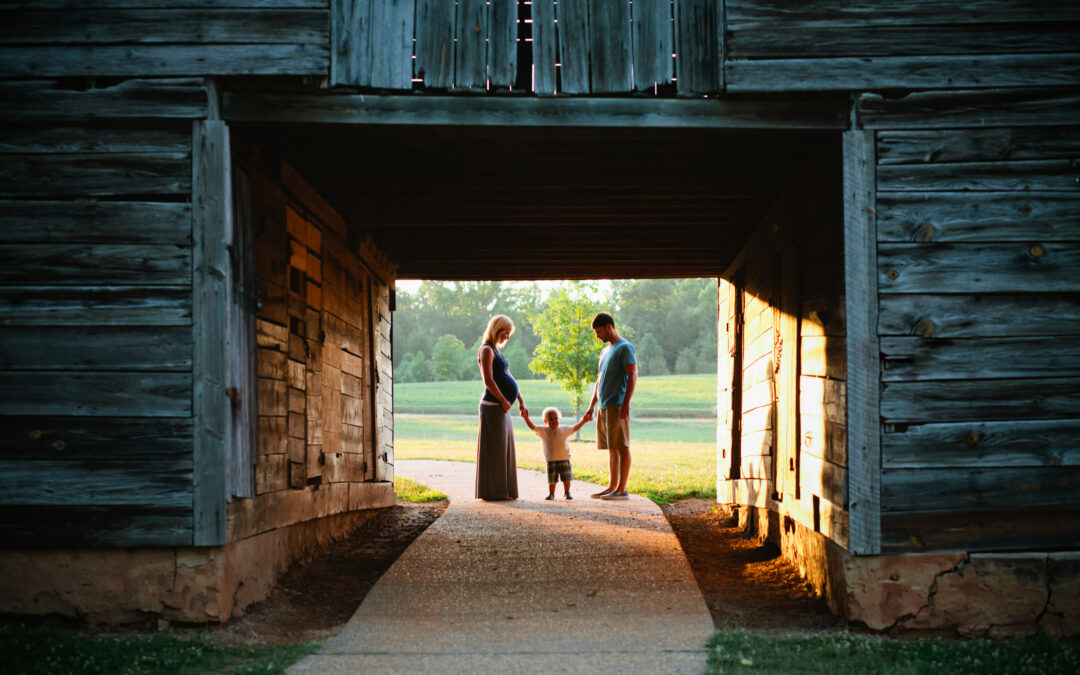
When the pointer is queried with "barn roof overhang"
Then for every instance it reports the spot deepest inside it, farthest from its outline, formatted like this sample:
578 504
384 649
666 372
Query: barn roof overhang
483 188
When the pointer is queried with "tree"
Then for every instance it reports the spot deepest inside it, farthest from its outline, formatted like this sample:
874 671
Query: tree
568 348
447 357
687 362
419 368
650 356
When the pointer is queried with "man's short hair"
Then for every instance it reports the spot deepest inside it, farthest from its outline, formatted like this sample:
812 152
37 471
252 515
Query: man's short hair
603 319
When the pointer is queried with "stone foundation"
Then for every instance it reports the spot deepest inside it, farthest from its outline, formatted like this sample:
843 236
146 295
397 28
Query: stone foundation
191 585
993 595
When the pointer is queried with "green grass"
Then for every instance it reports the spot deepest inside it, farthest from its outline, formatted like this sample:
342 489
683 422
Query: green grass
671 459
738 652
658 396
48 649
408 490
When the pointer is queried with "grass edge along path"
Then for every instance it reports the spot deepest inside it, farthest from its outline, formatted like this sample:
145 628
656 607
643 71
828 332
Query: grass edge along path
742 652
50 649
409 490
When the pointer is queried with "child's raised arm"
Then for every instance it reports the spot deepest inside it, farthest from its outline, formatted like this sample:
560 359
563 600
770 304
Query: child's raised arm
580 423
525 416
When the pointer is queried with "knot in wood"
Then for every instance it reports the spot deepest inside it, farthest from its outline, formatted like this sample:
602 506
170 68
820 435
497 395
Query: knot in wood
477 29
925 234
925 329
36 435
893 275
973 438
58 445
1036 251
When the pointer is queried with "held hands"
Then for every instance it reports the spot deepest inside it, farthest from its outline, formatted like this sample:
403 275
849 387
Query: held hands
588 415
522 409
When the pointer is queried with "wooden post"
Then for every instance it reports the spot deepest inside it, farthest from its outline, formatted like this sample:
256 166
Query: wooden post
211 232
863 356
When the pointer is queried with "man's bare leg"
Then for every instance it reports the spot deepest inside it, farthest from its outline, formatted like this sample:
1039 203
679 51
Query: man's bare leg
624 469
613 469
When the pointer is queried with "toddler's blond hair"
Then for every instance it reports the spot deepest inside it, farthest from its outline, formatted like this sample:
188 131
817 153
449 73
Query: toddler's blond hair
551 410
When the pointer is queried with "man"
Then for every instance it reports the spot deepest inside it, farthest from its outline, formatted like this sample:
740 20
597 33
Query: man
614 386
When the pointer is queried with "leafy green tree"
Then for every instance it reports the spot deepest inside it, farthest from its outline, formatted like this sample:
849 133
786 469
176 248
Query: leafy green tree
447 358
687 362
650 356
419 368
519 360
568 348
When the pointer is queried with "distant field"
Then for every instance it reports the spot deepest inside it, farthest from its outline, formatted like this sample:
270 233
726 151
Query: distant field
670 459
690 396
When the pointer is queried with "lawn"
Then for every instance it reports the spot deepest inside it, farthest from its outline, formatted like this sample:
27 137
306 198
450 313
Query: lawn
672 459
691 396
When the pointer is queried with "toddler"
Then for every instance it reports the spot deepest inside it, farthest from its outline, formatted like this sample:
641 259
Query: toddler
553 437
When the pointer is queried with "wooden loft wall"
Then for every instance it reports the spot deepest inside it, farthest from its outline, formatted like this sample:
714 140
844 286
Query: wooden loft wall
96 345
782 434
977 202
325 414
784 46
151 38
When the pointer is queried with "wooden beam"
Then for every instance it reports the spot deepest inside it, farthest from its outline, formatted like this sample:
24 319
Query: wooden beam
863 354
41 100
211 230
814 114
969 108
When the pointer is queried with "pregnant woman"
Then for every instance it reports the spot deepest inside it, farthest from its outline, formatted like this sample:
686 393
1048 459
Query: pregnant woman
496 461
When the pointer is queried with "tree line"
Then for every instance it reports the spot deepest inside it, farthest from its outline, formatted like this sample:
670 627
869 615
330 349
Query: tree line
672 323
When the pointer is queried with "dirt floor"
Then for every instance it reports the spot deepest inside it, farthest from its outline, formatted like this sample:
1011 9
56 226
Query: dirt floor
745 585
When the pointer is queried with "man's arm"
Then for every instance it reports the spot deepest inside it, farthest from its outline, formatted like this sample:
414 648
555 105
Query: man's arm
631 380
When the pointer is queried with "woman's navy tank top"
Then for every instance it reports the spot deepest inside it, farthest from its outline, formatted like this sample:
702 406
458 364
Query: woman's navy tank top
503 379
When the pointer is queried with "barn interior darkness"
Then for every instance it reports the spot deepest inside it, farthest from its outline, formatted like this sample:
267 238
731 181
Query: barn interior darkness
531 202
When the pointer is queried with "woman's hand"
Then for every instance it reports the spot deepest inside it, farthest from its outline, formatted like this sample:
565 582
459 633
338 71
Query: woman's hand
522 409
506 405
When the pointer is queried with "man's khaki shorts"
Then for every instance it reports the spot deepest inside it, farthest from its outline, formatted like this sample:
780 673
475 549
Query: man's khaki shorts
612 431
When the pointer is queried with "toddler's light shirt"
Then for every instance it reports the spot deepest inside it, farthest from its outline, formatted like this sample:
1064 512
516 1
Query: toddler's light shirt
554 441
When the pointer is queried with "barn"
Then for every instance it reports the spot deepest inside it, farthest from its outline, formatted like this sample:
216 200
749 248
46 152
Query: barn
204 205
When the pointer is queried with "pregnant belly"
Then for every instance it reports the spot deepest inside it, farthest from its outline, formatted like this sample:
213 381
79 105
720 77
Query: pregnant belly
509 388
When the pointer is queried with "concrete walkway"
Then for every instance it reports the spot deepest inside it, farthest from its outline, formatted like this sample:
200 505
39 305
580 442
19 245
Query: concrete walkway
528 586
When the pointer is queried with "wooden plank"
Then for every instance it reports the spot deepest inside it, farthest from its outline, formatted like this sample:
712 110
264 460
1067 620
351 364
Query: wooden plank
174 26
997 530
977 145
94 174
968 108
991 216
611 60
96 482
1054 174
58 139
822 478
435 43
841 37
471 54
699 62
102 394
544 47
102 438
978 489
823 438
392 43
894 12
979 400
985 315
652 43
156 4
978 267
27 527
350 42
91 264
824 356
78 348
542 111
573 27
823 317
918 358
982 444
41 100
101 305
502 43
861 308
164 60
212 230
902 72
96 222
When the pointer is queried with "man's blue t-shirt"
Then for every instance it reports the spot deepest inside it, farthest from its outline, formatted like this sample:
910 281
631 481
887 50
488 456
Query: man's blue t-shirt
613 362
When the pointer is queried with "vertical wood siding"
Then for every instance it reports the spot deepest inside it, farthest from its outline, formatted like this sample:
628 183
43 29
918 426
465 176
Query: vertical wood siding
979 337
772 45
96 351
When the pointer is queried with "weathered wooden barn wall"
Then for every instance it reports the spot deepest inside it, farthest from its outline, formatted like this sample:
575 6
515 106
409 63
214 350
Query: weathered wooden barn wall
154 38
325 418
782 46
977 224
782 433
96 312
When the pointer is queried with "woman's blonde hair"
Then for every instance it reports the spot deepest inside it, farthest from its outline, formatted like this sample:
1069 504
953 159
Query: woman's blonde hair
498 323
552 410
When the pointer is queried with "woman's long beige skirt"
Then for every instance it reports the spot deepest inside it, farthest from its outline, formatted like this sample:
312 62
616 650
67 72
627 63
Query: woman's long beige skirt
496 460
